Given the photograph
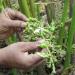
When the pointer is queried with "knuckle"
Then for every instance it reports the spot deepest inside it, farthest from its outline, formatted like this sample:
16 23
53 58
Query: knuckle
20 23
16 12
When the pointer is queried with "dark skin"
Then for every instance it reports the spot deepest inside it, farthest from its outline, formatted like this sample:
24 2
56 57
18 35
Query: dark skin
16 55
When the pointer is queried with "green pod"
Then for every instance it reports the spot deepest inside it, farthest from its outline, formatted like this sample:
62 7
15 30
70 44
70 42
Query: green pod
43 45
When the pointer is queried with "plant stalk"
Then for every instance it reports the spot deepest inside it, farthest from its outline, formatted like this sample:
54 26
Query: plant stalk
24 7
32 8
1 5
63 20
70 39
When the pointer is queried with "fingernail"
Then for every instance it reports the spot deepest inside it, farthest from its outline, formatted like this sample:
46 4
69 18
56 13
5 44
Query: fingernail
37 43
27 19
40 41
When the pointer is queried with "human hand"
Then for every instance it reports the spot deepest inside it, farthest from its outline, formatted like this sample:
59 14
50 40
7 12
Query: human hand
11 21
16 55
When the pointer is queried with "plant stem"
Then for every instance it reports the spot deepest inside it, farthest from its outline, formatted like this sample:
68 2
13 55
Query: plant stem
48 12
24 7
37 7
32 8
1 5
70 39
14 72
7 3
11 40
63 20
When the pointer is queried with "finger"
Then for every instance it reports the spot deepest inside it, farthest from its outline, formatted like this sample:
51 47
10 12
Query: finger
29 61
17 23
29 46
20 16
34 60
15 14
40 63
